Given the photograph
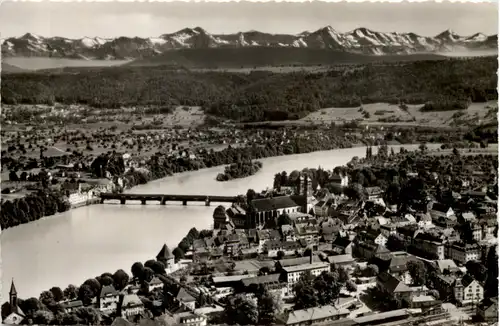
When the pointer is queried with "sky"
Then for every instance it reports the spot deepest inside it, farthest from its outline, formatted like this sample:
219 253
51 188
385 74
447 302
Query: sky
150 19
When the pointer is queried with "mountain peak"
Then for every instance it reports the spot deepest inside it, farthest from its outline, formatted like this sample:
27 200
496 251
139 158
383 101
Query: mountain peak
31 36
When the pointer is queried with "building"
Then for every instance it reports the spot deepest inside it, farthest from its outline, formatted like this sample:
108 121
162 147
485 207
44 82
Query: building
108 299
13 315
324 315
441 210
131 306
185 299
462 252
190 319
237 215
429 244
324 208
468 290
271 281
268 209
166 257
155 283
342 260
386 283
292 274
488 310
220 217
374 193
71 306
375 237
308 232
288 233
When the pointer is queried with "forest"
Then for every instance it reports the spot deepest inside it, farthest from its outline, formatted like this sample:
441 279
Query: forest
259 96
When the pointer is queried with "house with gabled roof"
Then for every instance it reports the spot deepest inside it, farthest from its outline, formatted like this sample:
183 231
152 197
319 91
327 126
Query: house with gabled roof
441 210
468 290
108 299
391 285
185 298
155 283
488 310
131 306
374 193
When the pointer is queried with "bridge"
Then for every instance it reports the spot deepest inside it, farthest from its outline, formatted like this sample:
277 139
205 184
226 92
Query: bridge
162 198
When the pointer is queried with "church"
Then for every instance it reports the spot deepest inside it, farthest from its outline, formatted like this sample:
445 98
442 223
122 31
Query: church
267 209
11 313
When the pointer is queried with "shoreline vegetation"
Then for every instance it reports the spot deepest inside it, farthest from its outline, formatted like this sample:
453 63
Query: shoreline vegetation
239 170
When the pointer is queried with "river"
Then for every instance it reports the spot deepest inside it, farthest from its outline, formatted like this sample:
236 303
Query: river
85 242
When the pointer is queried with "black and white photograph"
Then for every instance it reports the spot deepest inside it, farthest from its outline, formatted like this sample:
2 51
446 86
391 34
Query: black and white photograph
249 163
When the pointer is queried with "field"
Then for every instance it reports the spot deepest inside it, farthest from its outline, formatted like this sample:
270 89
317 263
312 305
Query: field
387 114
52 63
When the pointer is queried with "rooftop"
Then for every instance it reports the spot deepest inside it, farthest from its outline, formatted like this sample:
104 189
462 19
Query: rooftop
305 267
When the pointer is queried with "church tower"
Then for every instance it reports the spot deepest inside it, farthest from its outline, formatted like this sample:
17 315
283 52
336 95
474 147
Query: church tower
306 191
13 297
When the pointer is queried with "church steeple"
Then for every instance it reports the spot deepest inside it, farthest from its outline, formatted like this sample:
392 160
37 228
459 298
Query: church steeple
13 296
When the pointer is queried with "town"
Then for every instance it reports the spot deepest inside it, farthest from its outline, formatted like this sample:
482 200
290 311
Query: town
393 238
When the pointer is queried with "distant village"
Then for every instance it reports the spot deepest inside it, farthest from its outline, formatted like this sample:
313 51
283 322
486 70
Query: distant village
319 248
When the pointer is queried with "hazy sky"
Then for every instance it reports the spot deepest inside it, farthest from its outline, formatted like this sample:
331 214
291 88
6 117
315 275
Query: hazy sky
78 19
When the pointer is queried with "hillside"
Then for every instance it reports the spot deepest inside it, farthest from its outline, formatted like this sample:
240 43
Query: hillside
360 41
258 96
269 56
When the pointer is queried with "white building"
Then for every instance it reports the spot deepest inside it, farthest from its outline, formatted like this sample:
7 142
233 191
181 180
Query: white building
131 306
108 299
293 273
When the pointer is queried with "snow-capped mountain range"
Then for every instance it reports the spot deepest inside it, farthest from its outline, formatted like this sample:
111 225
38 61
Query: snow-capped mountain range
360 40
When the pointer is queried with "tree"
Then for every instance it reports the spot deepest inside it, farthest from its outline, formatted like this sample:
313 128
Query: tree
57 293
85 294
178 254
137 270
372 270
351 286
305 294
242 311
30 306
106 280
284 219
148 274
88 315
120 279
422 147
43 317
47 298
491 285
94 285
156 266
70 319
280 255
71 292
417 271
466 232
328 287
269 306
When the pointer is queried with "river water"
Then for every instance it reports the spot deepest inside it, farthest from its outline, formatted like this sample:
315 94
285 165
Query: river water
85 242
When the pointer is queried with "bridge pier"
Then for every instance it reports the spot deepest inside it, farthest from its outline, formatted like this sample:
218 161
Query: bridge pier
207 202
102 200
184 202
143 201
163 201
122 201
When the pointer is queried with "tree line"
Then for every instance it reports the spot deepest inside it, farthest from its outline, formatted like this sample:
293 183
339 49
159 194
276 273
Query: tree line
264 96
